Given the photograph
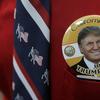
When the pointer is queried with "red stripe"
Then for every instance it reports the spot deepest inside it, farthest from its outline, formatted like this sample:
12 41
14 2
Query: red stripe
27 77
4 98
41 10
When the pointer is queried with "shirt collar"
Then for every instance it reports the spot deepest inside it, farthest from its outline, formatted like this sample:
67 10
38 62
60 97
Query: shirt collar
89 64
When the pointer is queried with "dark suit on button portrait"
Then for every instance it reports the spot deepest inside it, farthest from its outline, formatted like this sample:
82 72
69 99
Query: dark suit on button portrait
81 64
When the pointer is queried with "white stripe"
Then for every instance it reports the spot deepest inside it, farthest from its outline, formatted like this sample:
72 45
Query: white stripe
37 18
24 81
77 51
88 77
15 13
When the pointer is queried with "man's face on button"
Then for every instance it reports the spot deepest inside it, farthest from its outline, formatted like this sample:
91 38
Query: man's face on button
90 47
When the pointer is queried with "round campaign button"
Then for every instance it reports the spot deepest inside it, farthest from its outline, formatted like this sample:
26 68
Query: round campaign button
81 47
